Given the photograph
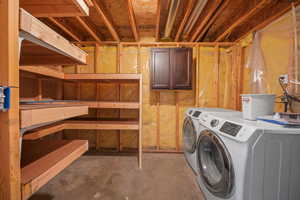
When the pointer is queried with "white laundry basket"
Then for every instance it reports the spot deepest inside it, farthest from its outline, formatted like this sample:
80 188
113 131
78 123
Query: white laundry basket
255 105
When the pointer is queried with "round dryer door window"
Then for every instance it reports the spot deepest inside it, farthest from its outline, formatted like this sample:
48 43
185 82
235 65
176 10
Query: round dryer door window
189 136
215 165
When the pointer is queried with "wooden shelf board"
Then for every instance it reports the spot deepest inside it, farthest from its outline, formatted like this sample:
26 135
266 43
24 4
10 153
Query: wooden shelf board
102 76
35 114
44 46
101 125
44 131
92 104
40 171
57 8
45 71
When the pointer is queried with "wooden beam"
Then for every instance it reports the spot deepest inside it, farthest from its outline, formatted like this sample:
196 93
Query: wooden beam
243 18
82 7
115 43
65 29
184 20
107 22
9 121
157 30
89 3
172 13
88 29
132 20
204 25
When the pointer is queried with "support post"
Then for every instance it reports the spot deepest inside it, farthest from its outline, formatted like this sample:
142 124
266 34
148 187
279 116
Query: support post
10 186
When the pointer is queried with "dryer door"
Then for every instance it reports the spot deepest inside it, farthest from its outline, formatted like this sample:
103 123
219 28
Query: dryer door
215 165
189 135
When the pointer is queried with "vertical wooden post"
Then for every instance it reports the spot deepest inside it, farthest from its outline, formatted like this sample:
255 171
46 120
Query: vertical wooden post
217 79
139 59
40 85
96 58
140 71
140 121
158 120
177 121
239 76
59 86
197 75
119 54
98 135
228 82
10 186
234 78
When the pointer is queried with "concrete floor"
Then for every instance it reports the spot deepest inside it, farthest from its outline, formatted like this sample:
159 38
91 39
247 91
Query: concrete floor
164 177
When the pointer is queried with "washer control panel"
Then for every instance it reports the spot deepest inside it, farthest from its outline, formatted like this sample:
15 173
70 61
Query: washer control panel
230 128
196 114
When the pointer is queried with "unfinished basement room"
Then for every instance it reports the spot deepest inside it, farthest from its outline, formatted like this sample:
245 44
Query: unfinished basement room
150 100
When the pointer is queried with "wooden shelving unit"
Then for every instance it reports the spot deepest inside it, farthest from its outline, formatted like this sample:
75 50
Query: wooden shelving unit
43 46
33 115
52 159
91 124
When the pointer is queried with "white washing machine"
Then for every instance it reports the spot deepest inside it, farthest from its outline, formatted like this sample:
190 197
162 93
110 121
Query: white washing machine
246 160
191 130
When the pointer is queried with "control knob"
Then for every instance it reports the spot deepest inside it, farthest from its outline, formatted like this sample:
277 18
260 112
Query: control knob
214 123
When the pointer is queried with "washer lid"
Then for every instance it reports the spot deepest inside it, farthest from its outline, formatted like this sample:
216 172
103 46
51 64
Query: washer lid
215 165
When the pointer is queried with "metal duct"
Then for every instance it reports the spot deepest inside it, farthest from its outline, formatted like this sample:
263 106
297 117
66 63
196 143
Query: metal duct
194 16
173 9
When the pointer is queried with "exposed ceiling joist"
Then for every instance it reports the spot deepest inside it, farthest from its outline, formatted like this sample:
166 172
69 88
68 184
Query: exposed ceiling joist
243 18
65 29
107 22
89 3
132 20
173 10
199 6
267 21
88 29
184 20
157 29
208 20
